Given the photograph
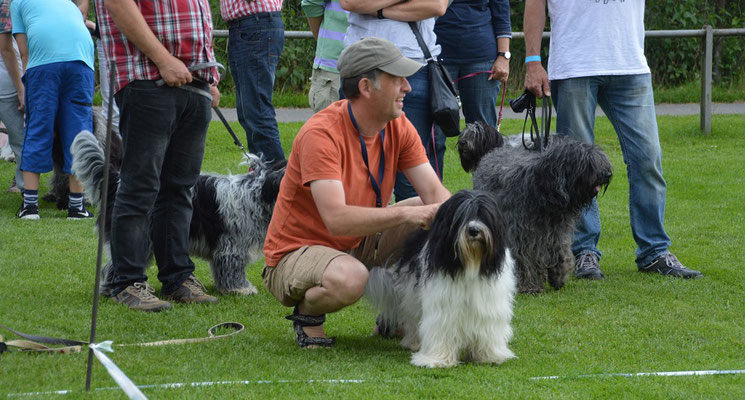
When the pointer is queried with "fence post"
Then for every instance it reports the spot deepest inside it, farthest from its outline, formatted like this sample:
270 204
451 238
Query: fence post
706 67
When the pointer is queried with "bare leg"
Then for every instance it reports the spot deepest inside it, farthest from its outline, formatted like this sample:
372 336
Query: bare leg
342 284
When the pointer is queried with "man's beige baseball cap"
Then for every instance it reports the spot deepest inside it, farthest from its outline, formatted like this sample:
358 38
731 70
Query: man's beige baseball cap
368 54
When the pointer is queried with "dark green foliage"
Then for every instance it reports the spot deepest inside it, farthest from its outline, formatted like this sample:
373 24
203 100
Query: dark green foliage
677 60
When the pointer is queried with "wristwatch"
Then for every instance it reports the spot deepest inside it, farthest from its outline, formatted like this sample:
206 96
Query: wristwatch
505 54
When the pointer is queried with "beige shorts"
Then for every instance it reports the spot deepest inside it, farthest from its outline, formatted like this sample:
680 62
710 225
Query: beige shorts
303 268
324 89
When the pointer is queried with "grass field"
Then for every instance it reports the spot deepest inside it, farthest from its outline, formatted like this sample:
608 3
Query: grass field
627 323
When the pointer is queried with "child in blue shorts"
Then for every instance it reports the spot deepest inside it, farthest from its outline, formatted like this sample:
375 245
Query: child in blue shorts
57 50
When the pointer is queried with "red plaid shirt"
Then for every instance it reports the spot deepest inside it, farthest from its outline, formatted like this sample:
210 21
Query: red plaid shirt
184 27
234 9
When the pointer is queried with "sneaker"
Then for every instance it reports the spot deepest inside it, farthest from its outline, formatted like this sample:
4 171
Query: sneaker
668 265
14 187
139 296
191 291
28 212
586 267
74 213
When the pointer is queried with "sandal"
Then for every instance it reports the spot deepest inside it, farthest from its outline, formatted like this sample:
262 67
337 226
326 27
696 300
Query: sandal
301 338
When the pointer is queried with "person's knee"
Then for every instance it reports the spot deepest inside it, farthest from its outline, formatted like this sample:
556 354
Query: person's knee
346 278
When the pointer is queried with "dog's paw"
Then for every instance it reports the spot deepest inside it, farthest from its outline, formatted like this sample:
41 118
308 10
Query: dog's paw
492 356
242 291
428 361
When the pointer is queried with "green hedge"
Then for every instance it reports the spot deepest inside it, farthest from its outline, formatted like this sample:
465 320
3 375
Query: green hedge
674 61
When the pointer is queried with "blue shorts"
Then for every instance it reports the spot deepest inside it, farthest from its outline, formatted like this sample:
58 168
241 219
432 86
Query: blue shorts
59 98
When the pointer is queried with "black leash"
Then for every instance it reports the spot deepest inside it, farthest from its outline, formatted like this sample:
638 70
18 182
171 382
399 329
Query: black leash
538 134
230 131
196 67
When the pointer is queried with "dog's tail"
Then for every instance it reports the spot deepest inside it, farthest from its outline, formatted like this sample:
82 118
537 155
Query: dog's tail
382 293
88 167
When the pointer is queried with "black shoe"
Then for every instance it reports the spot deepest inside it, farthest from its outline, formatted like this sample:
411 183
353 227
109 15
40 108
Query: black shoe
28 212
668 265
74 213
586 267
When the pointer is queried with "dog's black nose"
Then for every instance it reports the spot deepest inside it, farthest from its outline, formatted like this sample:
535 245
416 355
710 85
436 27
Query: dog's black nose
607 174
473 232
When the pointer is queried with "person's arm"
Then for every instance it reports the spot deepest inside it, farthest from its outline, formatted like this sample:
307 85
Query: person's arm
314 10
502 27
345 220
22 42
427 185
412 10
131 23
315 25
500 69
536 78
83 6
10 58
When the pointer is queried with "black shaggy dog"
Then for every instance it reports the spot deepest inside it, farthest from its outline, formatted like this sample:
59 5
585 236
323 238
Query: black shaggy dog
230 219
541 195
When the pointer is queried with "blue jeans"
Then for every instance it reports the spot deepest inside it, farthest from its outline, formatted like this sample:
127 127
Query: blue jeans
628 102
418 110
163 129
254 45
478 95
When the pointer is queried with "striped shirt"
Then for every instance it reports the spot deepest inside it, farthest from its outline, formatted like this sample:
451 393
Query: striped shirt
234 9
331 32
184 27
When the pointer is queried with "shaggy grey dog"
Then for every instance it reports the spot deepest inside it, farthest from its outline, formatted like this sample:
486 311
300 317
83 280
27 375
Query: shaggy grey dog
230 219
541 196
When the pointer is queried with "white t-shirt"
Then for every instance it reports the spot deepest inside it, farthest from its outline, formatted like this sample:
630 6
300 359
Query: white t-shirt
596 37
7 88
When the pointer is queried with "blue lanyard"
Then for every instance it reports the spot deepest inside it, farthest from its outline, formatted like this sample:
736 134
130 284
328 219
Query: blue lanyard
381 168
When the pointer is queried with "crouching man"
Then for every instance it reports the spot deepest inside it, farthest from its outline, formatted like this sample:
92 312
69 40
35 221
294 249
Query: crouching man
332 222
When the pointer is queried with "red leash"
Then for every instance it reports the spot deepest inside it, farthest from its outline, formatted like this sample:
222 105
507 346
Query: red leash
504 92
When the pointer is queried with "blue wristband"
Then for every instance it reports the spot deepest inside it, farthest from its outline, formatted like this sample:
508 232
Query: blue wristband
532 59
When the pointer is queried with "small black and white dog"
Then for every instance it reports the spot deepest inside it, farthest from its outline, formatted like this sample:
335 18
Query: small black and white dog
541 195
230 219
453 288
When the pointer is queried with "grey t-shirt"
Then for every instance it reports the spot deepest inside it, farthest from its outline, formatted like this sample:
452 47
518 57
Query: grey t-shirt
398 32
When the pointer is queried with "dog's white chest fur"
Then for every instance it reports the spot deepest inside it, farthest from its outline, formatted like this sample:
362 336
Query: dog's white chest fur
467 318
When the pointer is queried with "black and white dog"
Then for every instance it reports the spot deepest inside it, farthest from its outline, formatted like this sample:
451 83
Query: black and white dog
541 195
230 219
453 288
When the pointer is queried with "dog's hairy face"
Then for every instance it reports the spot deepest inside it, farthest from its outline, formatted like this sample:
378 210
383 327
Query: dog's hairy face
475 141
467 234
576 171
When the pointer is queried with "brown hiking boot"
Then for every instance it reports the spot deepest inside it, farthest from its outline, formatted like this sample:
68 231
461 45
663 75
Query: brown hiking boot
191 291
139 296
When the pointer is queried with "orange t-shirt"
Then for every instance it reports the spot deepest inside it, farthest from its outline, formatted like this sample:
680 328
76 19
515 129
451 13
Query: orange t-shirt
328 147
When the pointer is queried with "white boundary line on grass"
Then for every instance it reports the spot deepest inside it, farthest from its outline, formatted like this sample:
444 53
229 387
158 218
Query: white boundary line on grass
198 384
636 374
281 381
